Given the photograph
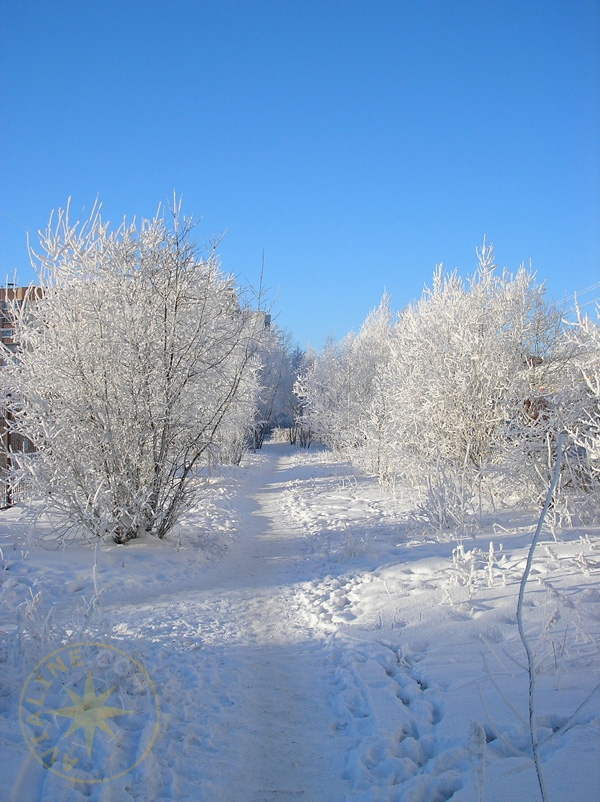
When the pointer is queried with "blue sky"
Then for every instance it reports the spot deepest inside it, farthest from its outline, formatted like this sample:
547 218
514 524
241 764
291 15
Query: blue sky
358 143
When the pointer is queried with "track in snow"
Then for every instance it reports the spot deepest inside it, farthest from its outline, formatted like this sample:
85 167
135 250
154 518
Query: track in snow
249 706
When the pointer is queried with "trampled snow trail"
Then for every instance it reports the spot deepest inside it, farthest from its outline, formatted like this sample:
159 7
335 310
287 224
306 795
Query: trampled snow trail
281 744
250 705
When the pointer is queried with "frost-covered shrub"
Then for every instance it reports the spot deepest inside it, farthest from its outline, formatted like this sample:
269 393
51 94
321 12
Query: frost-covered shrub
447 503
583 418
325 391
563 400
342 395
461 360
462 396
276 374
280 435
136 367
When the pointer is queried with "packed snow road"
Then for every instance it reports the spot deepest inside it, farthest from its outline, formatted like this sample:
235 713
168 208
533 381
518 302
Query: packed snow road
304 641
273 733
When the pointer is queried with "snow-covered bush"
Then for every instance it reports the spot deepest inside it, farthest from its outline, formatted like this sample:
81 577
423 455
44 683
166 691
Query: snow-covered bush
461 362
342 395
299 430
276 376
457 386
564 399
583 412
136 367
373 415
280 435
447 501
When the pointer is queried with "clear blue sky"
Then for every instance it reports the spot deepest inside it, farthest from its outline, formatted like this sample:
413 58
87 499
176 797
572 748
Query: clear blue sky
358 142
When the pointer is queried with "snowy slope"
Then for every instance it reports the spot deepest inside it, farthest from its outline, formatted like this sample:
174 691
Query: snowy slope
306 641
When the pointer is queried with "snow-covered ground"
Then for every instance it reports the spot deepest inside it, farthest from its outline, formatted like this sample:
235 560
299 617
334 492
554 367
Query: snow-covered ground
301 640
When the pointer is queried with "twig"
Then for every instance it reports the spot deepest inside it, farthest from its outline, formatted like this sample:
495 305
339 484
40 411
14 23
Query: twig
530 658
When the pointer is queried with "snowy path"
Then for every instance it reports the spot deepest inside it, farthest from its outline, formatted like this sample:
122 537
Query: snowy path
270 733
283 748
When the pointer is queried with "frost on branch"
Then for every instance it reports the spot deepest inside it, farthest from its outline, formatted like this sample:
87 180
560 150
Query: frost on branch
583 422
136 368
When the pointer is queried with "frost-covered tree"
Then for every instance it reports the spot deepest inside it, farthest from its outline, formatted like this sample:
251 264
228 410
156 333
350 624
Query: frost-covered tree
299 430
586 363
581 411
374 416
465 356
136 368
343 393
448 390
276 377
326 394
